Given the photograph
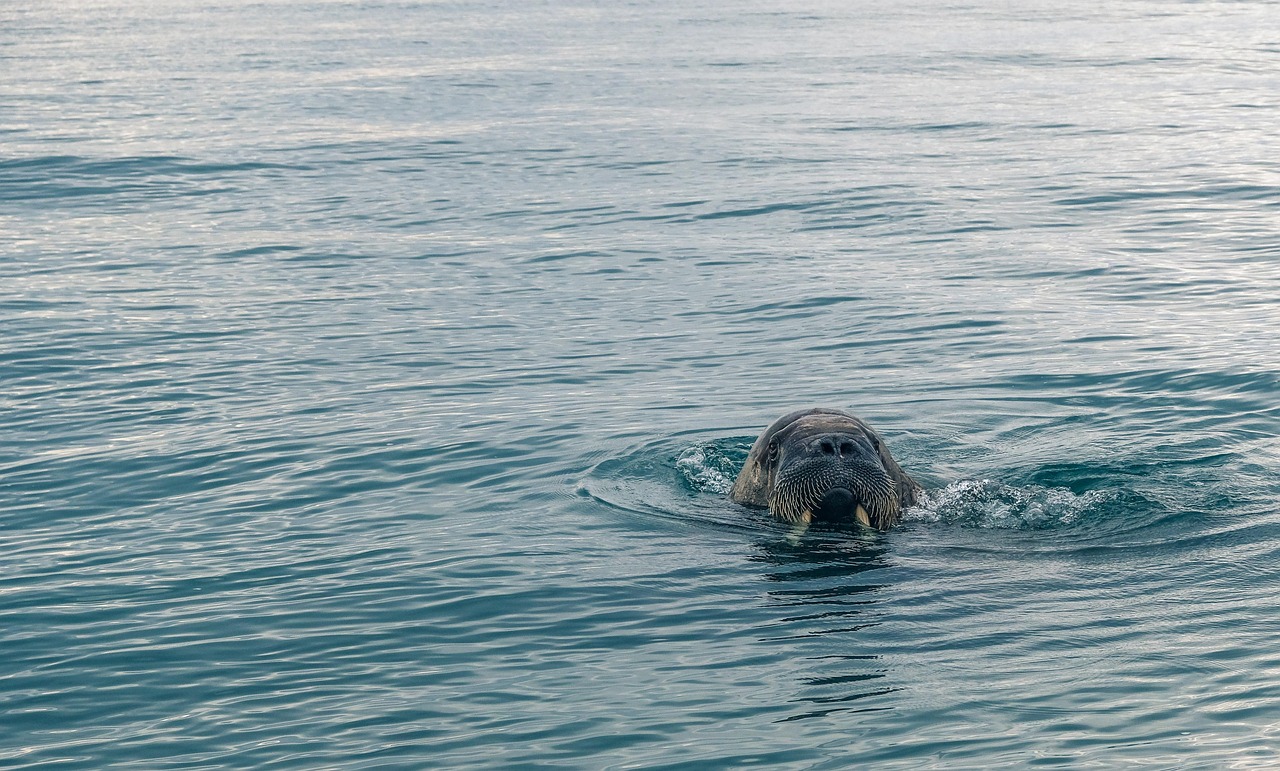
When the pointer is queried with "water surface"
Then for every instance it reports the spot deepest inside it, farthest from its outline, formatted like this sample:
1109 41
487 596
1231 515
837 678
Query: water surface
374 374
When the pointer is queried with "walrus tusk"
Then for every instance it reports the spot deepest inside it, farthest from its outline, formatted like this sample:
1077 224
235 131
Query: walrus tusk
800 528
863 517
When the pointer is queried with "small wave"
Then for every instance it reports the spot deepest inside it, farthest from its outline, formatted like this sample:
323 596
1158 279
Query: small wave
690 482
707 468
988 504
685 481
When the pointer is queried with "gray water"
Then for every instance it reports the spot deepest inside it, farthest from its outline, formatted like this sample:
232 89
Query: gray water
373 376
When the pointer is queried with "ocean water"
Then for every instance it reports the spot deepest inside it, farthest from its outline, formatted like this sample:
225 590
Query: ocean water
373 375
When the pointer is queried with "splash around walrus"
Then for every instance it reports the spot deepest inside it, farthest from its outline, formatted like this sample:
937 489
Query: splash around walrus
824 465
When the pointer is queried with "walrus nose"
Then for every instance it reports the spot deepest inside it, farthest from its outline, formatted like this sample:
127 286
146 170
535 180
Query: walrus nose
836 445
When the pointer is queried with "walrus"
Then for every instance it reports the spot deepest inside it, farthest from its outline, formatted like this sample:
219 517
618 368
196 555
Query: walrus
824 465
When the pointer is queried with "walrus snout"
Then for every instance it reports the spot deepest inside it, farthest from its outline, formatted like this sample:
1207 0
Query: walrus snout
830 478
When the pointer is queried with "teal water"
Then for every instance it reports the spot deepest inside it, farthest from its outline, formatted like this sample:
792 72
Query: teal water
373 374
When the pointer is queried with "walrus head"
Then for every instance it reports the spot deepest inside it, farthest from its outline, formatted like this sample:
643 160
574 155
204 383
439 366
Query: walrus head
824 465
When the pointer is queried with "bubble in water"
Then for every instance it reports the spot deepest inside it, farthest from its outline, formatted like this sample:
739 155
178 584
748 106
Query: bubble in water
707 468
986 503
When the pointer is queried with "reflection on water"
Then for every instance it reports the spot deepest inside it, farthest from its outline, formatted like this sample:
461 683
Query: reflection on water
828 604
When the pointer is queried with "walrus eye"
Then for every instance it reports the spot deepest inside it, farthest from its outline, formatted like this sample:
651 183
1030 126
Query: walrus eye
773 450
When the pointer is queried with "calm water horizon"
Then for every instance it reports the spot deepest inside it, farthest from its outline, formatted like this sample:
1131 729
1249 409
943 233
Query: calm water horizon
374 374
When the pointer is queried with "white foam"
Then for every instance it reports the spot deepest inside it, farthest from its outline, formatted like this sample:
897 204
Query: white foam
987 503
707 469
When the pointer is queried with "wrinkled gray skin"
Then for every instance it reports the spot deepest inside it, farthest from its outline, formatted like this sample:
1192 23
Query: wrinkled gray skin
824 465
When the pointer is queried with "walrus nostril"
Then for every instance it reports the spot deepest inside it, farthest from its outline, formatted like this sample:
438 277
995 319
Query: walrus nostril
835 445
